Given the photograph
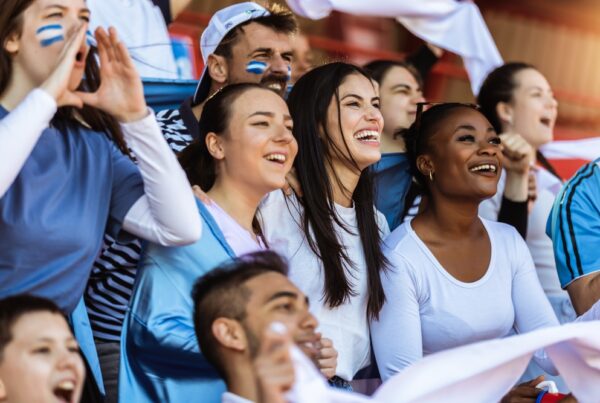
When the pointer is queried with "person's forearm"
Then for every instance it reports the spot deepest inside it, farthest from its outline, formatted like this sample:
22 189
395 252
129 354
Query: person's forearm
19 132
517 186
167 214
585 296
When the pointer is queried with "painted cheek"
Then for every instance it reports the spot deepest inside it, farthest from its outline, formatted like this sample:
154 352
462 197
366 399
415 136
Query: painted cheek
256 67
50 34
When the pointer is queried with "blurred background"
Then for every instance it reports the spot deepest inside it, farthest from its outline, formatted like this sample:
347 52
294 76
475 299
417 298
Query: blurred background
560 37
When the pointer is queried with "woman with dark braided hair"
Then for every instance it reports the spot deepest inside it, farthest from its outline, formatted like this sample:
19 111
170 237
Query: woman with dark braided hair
455 278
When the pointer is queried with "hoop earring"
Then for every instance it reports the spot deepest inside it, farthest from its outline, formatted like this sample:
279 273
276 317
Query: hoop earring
431 176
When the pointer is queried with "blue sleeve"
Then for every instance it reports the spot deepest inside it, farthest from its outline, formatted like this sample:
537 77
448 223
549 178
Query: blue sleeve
574 226
126 188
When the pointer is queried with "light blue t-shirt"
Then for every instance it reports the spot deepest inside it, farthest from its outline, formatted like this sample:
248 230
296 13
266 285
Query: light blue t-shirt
74 185
574 225
392 180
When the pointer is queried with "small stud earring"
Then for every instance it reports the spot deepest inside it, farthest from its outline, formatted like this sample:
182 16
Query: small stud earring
431 176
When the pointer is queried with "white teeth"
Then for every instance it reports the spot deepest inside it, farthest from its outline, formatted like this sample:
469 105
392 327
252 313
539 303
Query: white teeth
484 167
276 157
274 86
369 135
66 385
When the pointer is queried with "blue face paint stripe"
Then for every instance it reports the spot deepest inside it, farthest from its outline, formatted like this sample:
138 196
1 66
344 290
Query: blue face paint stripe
50 41
256 67
48 27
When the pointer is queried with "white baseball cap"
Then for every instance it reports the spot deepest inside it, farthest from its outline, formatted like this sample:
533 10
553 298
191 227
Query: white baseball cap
219 25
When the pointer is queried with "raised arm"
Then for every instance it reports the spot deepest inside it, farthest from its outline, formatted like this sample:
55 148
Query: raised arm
23 126
167 213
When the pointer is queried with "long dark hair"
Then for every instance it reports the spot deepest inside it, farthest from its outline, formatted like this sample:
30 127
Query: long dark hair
11 21
417 139
308 102
197 162
499 86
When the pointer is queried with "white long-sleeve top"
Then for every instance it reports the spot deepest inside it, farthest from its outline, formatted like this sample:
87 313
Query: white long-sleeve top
166 214
428 310
346 325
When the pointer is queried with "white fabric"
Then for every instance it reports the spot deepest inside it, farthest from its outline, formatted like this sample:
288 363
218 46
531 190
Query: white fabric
229 397
240 240
540 244
167 213
427 310
346 325
142 28
585 149
480 373
451 25
19 132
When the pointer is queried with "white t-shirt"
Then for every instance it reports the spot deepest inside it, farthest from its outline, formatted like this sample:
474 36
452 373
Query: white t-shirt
141 26
428 310
346 325
540 245
240 240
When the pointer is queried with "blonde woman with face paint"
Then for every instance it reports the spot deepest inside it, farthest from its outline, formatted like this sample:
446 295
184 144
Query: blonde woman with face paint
64 175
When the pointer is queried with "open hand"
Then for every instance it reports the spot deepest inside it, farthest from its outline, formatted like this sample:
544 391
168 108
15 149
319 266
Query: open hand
57 84
121 93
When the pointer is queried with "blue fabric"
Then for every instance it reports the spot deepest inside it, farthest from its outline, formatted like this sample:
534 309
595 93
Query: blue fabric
392 181
163 94
160 358
74 185
82 329
574 225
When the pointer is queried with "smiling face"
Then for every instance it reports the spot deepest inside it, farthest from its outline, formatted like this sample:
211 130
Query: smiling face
464 156
47 24
273 52
273 298
42 363
533 109
258 148
355 124
400 92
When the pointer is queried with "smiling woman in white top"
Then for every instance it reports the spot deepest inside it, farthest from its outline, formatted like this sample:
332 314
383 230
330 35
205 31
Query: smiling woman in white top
455 278
331 234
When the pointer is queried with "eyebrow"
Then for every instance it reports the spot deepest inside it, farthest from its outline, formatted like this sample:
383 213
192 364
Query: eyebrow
268 114
86 10
472 128
283 294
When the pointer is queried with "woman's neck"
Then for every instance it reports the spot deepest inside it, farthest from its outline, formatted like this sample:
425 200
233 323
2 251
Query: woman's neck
16 91
452 217
237 201
344 186
389 144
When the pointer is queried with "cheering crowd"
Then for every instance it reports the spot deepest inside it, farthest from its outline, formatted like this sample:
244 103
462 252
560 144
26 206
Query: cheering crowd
199 253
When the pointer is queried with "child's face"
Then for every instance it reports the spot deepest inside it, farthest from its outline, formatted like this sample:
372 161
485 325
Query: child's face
41 363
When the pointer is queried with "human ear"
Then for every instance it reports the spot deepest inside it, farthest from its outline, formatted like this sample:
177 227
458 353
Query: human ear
425 165
214 143
230 334
11 44
217 69
505 114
